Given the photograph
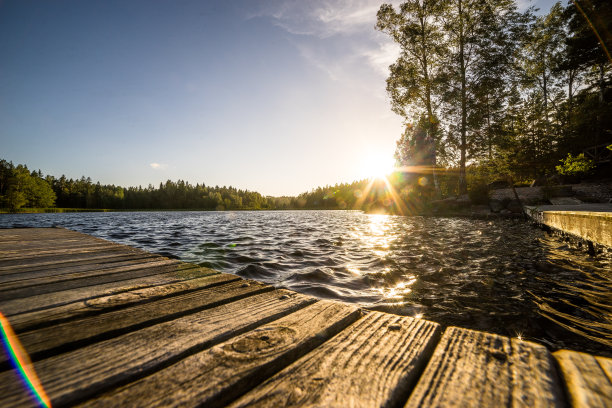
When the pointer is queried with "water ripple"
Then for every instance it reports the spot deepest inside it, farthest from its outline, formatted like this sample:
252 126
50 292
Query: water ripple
503 276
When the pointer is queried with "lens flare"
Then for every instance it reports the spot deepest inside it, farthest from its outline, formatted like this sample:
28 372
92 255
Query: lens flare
22 363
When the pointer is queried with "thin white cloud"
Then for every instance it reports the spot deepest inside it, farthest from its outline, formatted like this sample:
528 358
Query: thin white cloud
382 56
158 166
336 36
321 18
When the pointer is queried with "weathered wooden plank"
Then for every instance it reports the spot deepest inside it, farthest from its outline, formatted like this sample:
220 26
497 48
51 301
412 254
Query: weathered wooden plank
45 280
89 294
372 363
80 374
7 248
29 245
535 381
218 375
21 252
36 233
586 381
120 299
61 337
477 369
606 366
76 262
43 235
64 283
53 259
95 267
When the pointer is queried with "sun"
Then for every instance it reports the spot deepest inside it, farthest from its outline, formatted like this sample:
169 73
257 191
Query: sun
376 166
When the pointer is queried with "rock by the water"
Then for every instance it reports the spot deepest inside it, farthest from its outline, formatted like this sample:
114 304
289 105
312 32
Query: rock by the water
558 191
564 201
515 206
497 184
496 205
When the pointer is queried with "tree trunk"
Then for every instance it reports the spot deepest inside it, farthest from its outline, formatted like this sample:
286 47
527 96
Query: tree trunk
463 147
570 99
600 103
489 138
545 91
431 127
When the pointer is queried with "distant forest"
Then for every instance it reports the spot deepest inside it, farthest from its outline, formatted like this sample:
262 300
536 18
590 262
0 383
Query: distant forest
21 188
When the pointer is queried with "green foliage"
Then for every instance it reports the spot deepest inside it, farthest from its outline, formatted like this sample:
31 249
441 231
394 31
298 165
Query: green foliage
507 90
478 178
576 166
20 188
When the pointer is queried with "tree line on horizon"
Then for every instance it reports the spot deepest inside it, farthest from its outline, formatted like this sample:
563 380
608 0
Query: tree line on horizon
488 92
21 188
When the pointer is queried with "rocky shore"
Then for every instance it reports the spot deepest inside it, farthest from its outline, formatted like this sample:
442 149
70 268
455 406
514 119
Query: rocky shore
502 202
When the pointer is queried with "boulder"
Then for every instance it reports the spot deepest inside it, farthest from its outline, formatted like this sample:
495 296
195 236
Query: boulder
564 201
515 206
450 205
498 184
480 211
496 205
558 191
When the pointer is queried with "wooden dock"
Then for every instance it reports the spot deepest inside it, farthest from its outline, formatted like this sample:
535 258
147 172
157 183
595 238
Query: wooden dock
109 325
589 222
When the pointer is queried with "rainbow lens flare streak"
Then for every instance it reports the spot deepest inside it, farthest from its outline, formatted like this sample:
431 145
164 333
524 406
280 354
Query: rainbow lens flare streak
22 363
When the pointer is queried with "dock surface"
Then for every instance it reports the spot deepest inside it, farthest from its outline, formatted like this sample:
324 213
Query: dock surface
108 325
590 222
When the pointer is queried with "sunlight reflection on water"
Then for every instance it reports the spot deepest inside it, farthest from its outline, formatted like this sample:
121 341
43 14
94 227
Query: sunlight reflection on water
503 276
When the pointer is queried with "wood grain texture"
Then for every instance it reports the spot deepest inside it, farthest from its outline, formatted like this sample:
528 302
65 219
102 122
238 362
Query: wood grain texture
21 252
77 280
218 375
35 303
371 363
116 300
92 268
77 333
47 237
477 369
40 262
79 374
29 234
31 241
67 262
9 249
586 380
45 280
606 365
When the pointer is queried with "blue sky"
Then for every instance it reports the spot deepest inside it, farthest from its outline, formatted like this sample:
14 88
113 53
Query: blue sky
273 96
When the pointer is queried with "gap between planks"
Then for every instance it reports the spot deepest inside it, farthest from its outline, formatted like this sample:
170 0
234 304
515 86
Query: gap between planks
53 340
80 374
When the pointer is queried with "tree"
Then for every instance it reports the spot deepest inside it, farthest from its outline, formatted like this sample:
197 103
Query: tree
25 189
588 48
540 62
479 39
414 79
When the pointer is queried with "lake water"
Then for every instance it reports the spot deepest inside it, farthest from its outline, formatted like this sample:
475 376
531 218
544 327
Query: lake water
503 276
